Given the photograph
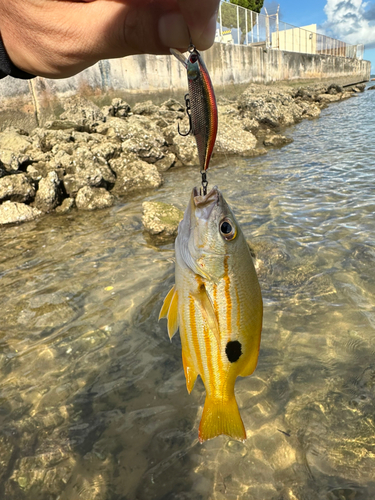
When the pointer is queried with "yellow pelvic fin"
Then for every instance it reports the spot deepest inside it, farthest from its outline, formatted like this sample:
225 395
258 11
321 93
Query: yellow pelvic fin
221 417
203 299
173 315
190 373
167 301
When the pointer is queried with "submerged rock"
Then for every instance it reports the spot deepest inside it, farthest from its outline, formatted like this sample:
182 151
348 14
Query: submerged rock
277 141
161 220
11 212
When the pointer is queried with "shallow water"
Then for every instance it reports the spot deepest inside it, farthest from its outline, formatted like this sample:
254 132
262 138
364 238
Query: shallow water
93 403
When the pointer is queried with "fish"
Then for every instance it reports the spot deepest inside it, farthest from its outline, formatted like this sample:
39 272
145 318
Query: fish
202 105
216 304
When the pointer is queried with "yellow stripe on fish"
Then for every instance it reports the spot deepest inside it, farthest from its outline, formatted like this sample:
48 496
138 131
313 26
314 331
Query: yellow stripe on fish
216 303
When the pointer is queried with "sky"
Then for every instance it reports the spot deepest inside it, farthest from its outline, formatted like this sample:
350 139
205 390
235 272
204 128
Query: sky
351 21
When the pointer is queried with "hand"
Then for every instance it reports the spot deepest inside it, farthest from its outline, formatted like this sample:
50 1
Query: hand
59 38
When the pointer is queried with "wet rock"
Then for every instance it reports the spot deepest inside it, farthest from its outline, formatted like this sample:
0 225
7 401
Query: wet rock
66 206
277 141
49 193
161 220
329 97
16 188
133 174
371 88
89 198
11 212
145 108
166 163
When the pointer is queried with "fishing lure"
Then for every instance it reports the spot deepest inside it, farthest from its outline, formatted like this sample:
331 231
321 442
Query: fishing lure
200 105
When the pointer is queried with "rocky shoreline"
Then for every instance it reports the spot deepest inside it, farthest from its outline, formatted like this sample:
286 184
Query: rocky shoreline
91 155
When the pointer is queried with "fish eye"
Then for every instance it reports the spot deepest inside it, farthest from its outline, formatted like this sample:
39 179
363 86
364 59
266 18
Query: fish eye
228 229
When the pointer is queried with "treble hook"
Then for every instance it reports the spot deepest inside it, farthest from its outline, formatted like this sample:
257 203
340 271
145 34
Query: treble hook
188 108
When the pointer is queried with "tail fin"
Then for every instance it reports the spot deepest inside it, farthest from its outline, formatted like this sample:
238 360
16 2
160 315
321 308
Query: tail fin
221 417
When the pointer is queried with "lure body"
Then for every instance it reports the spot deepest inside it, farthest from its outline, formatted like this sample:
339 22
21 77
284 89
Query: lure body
202 104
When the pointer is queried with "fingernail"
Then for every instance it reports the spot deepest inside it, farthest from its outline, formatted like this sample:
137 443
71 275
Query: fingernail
173 31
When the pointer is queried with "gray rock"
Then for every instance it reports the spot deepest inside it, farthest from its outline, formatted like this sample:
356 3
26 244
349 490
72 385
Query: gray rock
11 212
232 138
134 175
89 198
66 206
277 141
334 88
161 220
16 188
49 193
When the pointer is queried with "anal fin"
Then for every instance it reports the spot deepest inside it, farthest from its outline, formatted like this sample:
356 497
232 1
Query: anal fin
190 372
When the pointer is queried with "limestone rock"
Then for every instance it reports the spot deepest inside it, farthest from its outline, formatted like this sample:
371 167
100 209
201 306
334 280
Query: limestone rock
66 206
13 148
16 188
160 219
329 97
145 108
371 88
49 193
232 139
186 149
82 112
144 139
134 175
89 198
277 141
118 108
166 163
11 212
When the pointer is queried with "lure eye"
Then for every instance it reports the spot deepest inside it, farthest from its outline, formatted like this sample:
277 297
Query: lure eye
193 58
228 229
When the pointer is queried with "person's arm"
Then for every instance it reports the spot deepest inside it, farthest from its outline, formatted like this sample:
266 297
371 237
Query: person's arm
59 38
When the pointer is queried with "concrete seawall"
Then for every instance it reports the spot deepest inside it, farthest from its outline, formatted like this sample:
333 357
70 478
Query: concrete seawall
227 64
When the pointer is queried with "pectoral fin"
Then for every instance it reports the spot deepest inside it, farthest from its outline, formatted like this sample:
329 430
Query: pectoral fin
170 310
203 299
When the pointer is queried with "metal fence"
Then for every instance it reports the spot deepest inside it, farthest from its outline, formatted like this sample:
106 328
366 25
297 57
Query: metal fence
238 25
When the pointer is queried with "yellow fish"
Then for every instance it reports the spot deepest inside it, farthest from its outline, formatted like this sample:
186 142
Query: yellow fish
216 303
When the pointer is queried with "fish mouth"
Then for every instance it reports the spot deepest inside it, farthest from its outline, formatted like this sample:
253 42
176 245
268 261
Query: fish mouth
205 204
210 198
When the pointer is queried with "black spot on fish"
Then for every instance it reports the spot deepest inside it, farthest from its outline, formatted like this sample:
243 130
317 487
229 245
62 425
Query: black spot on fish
233 350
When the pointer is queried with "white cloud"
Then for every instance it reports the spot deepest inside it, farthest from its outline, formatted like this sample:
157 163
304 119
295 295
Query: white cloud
352 21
